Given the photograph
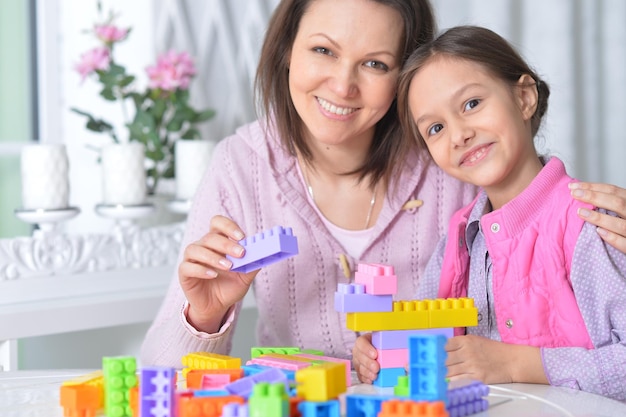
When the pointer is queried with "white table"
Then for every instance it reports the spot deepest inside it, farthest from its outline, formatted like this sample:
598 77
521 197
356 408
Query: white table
36 393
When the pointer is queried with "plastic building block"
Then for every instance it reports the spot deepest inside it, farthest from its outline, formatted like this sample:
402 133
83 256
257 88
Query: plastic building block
420 314
258 351
351 298
80 400
322 382
95 379
244 386
133 399
310 359
427 369
156 391
392 358
402 387
331 359
319 409
408 408
119 377
378 279
453 312
206 360
235 410
265 248
211 393
291 365
361 405
268 400
388 377
194 376
399 339
313 352
190 406
467 397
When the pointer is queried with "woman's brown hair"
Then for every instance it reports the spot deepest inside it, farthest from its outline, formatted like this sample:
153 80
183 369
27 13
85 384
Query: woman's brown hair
272 84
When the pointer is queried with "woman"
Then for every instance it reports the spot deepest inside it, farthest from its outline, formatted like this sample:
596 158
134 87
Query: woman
327 160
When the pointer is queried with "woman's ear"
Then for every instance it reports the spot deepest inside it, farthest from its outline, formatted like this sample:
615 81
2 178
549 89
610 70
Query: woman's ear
527 95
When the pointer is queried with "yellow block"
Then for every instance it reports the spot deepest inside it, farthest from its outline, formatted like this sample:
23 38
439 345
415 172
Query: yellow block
206 360
321 383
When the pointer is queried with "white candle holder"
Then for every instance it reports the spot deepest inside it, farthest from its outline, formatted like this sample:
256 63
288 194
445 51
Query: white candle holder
46 219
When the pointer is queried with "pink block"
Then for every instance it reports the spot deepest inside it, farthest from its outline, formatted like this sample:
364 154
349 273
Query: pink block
378 279
212 381
330 359
278 363
393 358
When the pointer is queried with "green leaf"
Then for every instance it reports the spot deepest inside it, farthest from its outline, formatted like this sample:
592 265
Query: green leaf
191 133
203 116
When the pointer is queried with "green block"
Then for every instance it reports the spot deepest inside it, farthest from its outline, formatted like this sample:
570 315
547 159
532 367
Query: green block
268 400
257 351
119 377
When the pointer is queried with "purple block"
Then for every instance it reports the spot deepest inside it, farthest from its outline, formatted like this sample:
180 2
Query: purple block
351 298
399 339
461 392
265 248
243 386
156 391
235 410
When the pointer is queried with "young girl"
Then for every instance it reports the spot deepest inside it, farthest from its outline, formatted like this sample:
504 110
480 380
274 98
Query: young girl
551 294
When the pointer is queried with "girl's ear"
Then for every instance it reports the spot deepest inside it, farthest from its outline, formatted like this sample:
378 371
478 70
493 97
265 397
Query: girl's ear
527 95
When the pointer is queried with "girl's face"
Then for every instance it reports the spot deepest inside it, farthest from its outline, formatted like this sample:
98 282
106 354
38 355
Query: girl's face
476 126
343 70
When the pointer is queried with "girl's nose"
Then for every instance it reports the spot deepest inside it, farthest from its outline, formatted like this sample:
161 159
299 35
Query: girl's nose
461 134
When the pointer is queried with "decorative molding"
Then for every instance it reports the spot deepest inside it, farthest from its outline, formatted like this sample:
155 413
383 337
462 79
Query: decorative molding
56 253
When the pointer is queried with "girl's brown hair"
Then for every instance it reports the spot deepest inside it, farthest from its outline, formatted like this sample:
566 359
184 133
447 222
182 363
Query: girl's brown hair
274 99
474 44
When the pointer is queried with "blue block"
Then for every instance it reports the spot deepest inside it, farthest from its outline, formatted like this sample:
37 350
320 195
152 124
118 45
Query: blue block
360 405
388 377
211 393
319 409
427 369
265 248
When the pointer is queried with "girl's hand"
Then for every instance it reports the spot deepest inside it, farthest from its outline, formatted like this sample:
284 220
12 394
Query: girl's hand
205 278
364 359
609 197
476 357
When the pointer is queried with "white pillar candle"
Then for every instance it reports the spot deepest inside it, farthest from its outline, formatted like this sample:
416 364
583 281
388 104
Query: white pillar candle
45 179
192 159
123 174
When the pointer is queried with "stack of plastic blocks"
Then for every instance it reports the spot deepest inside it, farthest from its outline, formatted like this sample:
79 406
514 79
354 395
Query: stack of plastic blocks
265 248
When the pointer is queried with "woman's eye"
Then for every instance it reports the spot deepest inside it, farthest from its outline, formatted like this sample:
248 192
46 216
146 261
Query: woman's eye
434 129
322 50
471 104
377 65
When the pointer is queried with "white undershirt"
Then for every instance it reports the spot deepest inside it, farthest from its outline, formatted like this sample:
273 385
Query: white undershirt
353 241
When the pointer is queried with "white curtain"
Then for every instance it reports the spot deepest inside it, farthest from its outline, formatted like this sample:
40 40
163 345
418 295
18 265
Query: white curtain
579 48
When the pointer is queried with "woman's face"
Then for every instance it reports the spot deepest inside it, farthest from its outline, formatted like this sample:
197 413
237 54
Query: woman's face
343 69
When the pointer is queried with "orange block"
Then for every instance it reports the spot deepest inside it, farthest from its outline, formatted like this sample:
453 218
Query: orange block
409 408
80 400
205 406
133 399
194 376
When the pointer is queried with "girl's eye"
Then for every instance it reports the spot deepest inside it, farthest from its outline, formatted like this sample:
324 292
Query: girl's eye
377 65
322 50
471 104
434 129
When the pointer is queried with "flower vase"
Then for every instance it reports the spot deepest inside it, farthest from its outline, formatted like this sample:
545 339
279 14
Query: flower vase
123 174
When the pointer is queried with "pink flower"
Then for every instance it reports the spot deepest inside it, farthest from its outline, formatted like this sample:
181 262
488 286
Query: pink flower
172 71
92 60
110 33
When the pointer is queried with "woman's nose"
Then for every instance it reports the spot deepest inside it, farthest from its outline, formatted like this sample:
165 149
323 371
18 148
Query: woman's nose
345 81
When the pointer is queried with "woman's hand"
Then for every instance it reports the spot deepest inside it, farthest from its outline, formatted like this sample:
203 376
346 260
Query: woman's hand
205 278
609 197
492 362
364 359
